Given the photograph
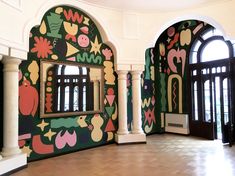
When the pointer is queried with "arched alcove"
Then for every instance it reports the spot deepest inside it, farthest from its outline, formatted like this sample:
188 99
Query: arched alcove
168 58
70 36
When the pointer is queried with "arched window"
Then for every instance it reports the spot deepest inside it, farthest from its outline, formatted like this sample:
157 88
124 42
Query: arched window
210 66
210 46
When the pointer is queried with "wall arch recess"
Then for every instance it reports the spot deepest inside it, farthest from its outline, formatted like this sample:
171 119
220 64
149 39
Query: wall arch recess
69 35
169 57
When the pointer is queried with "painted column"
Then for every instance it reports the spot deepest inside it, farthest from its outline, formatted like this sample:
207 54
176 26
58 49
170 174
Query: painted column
122 102
10 111
136 102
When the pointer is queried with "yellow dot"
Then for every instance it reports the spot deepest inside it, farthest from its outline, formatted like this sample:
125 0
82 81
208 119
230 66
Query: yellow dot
54 57
59 10
49 89
49 78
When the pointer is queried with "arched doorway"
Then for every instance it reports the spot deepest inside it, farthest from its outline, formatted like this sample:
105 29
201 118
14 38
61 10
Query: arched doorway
177 48
211 80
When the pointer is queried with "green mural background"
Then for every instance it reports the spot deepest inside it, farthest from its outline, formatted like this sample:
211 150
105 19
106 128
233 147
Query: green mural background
168 61
69 35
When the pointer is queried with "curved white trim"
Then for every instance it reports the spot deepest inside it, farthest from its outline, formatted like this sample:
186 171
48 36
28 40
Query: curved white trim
102 27
206 19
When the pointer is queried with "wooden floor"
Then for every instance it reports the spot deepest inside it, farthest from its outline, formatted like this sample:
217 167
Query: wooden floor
163 155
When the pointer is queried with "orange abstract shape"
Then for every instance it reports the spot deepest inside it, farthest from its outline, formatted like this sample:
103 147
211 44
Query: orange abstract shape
97 123
71 29
69 15
39 147
110 136
21 143
71 49
95 46
162 49
28 99
34 72
109 127
43 28
185 37
176 39
110 91
48 102
42 47
85 29
108 73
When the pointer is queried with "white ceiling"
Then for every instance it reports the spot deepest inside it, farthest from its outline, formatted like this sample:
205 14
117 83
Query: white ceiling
152 5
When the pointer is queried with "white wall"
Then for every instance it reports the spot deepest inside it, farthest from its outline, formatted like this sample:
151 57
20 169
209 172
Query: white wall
129 32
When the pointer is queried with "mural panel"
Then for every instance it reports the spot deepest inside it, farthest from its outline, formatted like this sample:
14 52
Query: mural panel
169 59
65 34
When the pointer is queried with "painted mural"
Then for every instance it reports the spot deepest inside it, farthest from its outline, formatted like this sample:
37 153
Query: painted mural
168 87
129 102
148 93
172 51
65 34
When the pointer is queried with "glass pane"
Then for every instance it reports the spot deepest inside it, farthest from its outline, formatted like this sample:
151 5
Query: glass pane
204 71
194 57
84 71
66 99
213 70
196 45
195 101
194 72
75 98
71 70
223 69
207 103
207 34
84 99
59 69
58 105
214 50
213 100
218 108
225 94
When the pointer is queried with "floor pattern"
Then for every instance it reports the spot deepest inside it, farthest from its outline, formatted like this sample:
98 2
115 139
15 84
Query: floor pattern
163 155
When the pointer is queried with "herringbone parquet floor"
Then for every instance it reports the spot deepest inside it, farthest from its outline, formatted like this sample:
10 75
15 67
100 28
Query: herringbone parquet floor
163 155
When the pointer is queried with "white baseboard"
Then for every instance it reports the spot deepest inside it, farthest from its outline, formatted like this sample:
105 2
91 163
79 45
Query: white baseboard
130 138
8 164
